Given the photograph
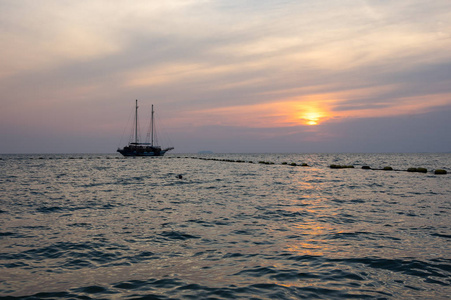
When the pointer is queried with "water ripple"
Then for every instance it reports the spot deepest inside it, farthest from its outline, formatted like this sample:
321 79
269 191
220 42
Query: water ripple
102 227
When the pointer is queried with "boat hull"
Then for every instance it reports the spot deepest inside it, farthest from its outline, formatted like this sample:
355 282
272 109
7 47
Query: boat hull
126 153
143 151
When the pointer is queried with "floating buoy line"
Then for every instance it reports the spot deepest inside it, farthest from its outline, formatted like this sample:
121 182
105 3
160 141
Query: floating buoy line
332 166
388 168
291 164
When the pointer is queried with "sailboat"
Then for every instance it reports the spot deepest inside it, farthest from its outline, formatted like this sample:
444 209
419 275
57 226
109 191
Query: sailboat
136 148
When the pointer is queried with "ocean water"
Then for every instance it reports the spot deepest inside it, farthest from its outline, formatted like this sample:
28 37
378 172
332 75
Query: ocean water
107 227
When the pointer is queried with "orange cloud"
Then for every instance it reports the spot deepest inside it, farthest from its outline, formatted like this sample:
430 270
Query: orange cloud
275 114
316 109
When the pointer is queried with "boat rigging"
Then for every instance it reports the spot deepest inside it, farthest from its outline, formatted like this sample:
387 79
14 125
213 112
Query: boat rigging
136 148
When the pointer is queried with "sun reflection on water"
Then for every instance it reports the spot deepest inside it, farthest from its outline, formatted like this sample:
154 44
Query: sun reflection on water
311 245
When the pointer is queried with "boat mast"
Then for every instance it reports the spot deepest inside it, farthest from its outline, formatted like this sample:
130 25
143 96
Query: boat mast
151 140
136 123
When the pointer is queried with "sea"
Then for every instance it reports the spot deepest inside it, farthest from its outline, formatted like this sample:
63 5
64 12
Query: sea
225 226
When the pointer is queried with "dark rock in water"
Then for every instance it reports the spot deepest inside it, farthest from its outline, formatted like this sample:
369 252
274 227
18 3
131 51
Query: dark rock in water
180 176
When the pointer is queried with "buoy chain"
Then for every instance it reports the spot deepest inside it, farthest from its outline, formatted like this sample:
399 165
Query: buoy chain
332 166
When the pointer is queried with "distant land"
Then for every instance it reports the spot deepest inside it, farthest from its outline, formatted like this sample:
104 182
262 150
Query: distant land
205 152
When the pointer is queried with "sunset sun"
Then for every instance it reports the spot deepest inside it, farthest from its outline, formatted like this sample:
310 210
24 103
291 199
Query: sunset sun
311 118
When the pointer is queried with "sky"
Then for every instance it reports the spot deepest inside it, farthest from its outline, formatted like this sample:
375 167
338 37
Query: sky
241 76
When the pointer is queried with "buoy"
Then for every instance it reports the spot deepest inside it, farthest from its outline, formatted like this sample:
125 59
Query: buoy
440 172
422 170
179 176
341 166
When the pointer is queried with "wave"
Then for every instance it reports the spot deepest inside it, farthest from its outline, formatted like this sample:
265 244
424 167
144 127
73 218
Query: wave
173 288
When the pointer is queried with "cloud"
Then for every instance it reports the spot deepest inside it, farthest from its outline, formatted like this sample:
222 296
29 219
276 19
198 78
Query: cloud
273 65
45 34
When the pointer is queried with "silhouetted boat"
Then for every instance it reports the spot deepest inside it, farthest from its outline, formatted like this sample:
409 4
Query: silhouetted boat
136 148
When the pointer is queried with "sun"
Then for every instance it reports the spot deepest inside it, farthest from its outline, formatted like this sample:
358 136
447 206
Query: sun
311 118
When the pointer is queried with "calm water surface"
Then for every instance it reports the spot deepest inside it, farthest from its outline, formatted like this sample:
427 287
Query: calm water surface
107 227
